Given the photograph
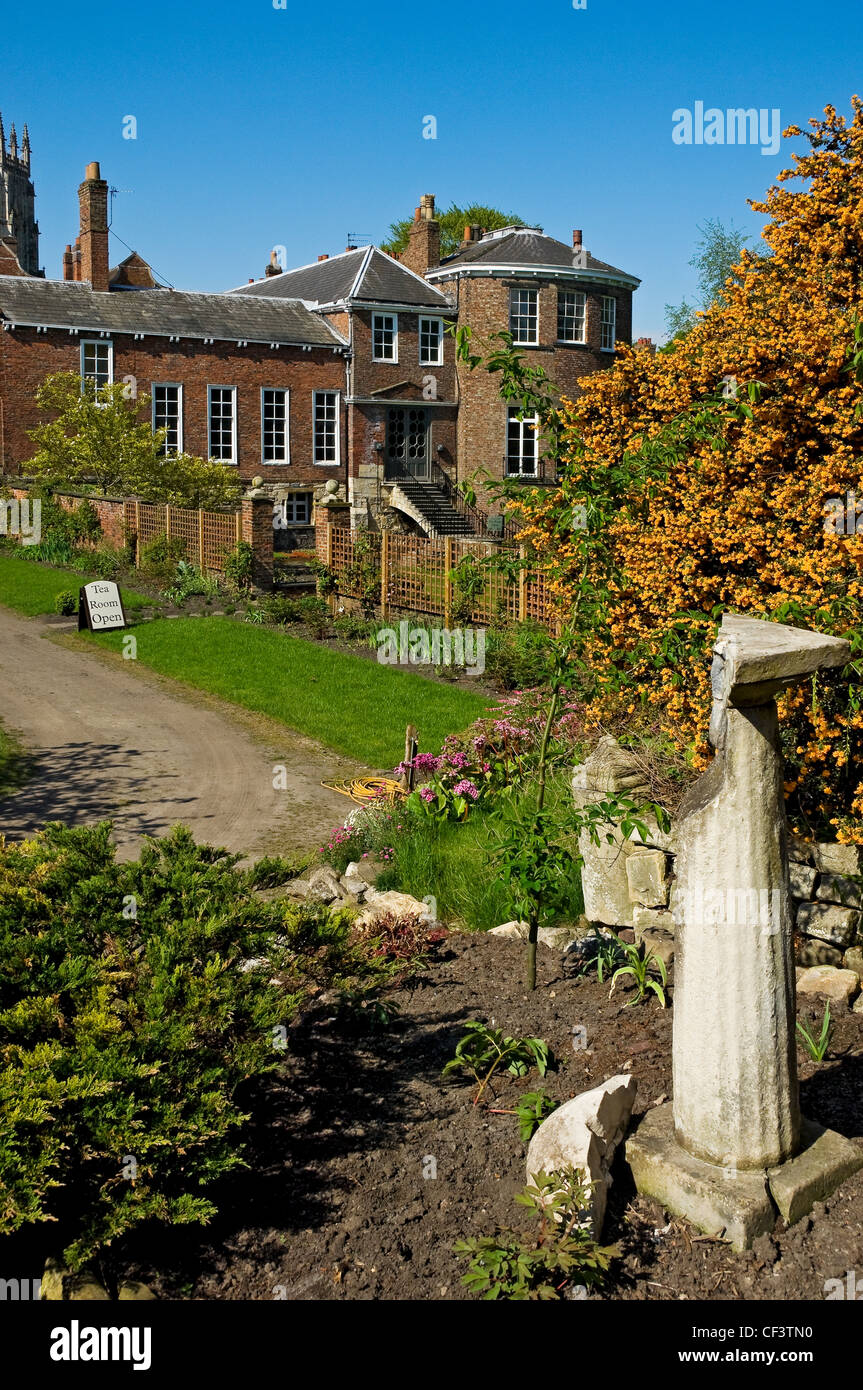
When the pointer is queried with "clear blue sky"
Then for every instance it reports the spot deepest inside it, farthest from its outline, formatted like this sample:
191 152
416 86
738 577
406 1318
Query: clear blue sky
259 126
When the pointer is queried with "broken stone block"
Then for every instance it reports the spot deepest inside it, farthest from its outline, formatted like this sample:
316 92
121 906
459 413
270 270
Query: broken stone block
833 888
853 960
812 952
583 1133
837 859
516 930
841 985
650 917
724 1202
399 904
824 1161
801 879
647 878
131 1291
369 868
324 884
836 925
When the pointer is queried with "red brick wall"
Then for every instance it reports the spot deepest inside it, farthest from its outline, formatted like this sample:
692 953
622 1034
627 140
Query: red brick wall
484 306
372 376
27 357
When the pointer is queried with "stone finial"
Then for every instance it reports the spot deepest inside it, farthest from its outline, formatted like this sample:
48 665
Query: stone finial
754 659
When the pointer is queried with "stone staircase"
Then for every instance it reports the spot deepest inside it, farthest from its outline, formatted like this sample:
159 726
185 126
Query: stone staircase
430 506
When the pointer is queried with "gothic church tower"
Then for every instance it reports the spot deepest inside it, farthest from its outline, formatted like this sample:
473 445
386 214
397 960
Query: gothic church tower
18 227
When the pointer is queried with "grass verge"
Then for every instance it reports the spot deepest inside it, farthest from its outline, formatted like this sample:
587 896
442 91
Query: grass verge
451 861
352 705
31 588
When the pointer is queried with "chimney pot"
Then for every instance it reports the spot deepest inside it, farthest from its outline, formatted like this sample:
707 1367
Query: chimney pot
324 257
93 171
576 237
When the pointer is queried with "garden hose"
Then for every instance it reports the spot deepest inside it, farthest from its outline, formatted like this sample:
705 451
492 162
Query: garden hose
366 789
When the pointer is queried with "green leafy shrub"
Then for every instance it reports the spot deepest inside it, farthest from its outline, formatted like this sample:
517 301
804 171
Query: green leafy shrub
239 565
549 1264
482 1051
105 562
160 557
518 656
316 615
127 1030
189 582
278 610
66 602
351 627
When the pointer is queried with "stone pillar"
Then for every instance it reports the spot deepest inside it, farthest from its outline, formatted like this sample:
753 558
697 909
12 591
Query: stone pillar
735 1056
732 1150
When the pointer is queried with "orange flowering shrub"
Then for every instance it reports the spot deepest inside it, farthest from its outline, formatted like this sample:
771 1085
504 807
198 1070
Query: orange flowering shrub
680 500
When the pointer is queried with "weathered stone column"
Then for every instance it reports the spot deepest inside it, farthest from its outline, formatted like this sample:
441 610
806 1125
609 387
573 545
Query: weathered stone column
731 1149
735 1056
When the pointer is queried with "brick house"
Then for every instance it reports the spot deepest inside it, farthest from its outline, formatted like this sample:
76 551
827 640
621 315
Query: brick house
418 422
401 398
257 384
340 373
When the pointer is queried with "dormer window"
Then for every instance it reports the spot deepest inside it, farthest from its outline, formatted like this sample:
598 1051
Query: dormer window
524 316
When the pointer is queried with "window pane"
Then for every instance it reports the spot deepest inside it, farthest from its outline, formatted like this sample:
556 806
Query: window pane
523 316
326 421
222 423
274 426
166 415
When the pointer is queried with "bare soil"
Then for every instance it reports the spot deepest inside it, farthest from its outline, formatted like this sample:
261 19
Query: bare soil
338 1203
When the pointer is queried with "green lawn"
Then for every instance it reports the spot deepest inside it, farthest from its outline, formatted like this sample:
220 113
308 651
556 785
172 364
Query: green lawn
350 704
31 588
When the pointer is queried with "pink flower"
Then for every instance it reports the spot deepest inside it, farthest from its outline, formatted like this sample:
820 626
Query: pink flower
466 788
426 794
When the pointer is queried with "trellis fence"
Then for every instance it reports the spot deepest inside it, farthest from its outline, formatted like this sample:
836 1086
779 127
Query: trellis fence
414 574
206 537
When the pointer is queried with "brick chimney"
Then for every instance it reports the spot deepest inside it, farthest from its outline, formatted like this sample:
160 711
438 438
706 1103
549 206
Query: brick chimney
473 233
422 252
93 203
646 345
68 263
324 257
576 237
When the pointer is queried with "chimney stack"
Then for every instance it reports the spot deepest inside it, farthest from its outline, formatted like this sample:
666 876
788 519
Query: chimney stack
576 237
646 345
68 263
93 204
422 252
324 257
274 268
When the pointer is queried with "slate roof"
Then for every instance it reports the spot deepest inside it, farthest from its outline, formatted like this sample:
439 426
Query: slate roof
161 313
528 248
373 277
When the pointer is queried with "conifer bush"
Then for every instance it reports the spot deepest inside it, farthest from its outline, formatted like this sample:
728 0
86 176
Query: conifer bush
128 1030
